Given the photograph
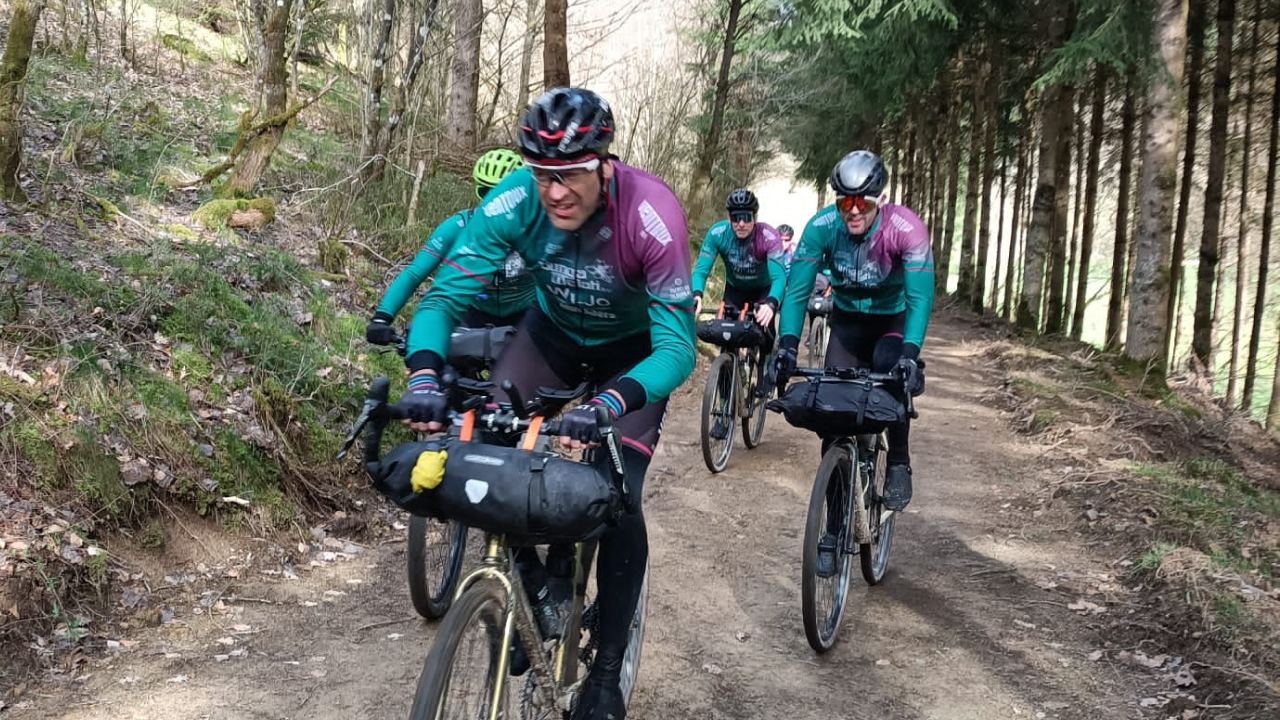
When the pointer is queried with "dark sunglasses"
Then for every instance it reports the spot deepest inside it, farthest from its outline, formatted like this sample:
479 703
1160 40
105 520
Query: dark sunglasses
741 217
845 203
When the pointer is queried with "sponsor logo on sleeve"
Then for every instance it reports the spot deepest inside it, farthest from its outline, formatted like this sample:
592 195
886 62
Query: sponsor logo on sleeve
506 202
826 218
653 224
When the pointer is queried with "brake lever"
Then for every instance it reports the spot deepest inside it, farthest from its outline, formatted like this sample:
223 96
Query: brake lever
612 442
361 420
374 402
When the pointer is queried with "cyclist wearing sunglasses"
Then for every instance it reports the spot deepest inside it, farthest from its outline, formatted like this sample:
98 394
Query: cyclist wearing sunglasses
609 251
882 281
752 253
502 302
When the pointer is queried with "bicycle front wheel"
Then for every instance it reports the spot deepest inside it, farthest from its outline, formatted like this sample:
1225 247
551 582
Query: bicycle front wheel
436 552
753 423
817 341
875 554
635 638
463 677
824 585
718 413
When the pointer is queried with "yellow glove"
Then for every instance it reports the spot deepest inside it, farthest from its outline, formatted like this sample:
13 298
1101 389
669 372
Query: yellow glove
428 472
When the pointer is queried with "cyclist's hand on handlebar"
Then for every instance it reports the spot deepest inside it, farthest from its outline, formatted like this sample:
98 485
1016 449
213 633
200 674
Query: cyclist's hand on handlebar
578 427
784 366
912 378
764 315
379 330
426 406
697 304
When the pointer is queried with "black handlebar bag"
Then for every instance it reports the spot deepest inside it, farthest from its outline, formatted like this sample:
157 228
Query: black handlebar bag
532 496
840 408
474 349
731 333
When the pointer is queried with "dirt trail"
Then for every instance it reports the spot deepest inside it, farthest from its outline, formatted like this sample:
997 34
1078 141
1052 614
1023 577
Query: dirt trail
959 630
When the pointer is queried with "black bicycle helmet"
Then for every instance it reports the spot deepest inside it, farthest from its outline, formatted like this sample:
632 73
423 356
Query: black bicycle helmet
742 200
786 230
565 124
861 172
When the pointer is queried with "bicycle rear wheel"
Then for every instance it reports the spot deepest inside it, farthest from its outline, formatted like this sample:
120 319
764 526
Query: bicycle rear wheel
719 413
753 423
436 552
875 555
461 675
828 523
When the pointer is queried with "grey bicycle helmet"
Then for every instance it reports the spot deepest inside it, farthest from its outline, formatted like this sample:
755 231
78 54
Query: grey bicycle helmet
860 173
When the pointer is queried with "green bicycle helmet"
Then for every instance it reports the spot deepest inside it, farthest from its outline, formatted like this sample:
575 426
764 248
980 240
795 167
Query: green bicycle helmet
492 166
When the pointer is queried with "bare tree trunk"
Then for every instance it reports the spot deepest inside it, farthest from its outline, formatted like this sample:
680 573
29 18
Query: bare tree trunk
1052 125
1015 218
1096 130
969 233
1242 236
1210 243
1148 322
299 26
994 301
13 85
401 92
910 178
1120 251
701 185
992 112
1195 70
124 29
948 229
1077 206
1053 320
555 45
373 92
1264 256
273 29
526 51
1273 407
464 78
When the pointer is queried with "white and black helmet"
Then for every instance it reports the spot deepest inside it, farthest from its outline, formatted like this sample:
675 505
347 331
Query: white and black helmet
860 173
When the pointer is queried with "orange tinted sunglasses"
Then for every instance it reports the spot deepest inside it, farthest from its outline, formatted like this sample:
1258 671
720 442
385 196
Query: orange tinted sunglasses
845 203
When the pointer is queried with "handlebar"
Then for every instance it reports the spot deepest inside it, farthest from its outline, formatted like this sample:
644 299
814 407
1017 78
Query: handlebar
510 418
862 375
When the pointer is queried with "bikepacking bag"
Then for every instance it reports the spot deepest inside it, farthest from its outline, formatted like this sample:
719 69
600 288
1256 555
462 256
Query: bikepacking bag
820 305
840 408
731 333
533 496
474 349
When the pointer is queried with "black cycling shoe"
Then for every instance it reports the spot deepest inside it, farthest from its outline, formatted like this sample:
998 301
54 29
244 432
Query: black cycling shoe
601 694
720 430
826 566
519 664
897 487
